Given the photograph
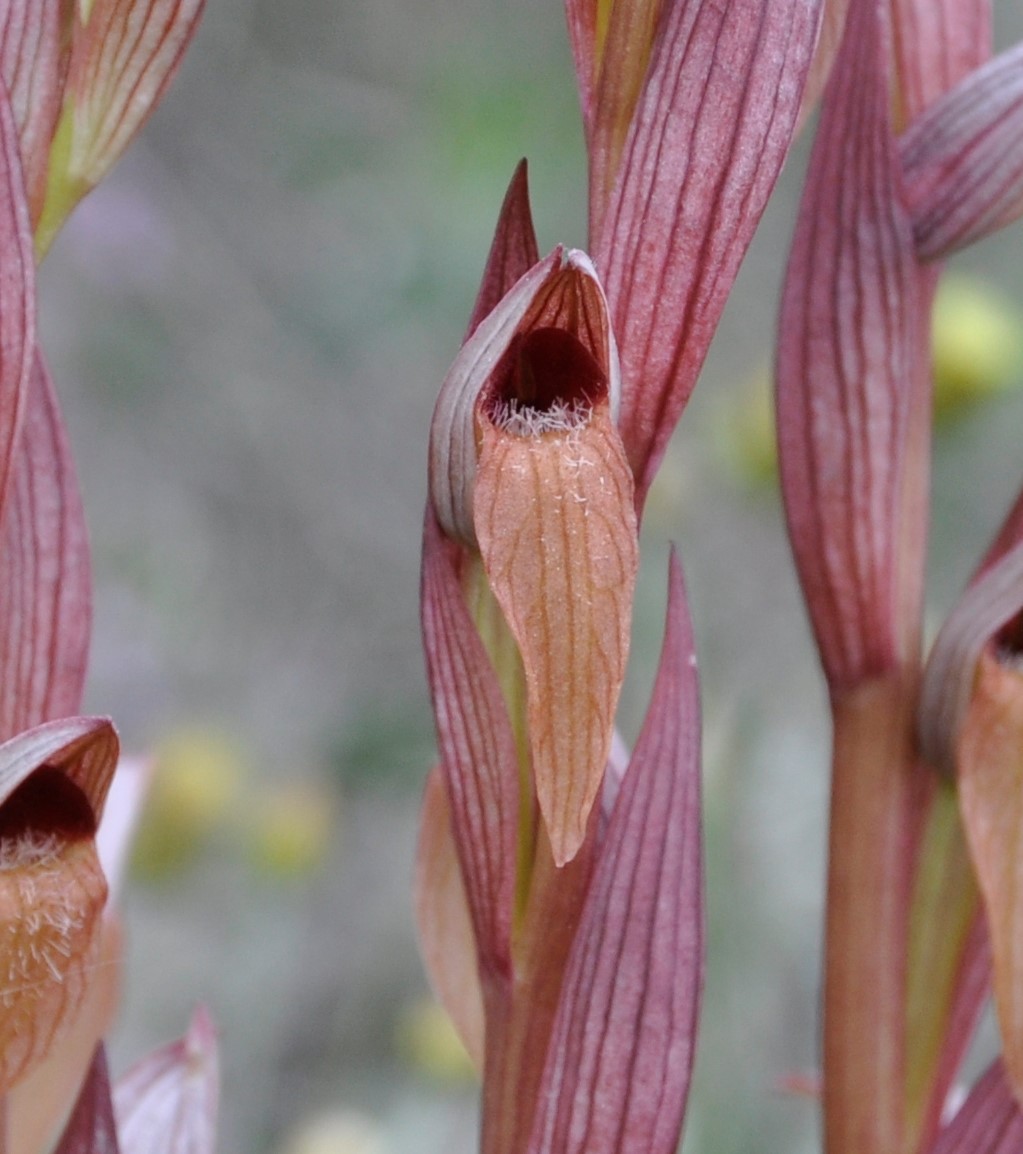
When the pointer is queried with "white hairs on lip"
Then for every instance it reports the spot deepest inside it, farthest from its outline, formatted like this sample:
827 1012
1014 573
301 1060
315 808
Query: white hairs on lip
27 849
523 420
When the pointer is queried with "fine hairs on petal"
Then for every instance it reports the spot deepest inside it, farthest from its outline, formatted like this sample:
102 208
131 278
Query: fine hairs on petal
526 421
30 848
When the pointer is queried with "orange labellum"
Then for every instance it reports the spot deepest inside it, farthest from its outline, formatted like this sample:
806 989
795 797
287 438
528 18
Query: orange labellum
52 894
556 526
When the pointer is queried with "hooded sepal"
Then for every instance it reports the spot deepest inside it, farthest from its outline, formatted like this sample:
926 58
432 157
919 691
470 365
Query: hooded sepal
631 990
53 784
710 132
849 373
963 159
45 579
124 54
167 1102
477 747
988 1122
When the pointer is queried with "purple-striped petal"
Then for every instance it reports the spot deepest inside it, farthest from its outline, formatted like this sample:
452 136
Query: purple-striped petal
621 1050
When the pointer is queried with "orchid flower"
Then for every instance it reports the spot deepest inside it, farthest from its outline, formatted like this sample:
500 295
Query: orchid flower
559 889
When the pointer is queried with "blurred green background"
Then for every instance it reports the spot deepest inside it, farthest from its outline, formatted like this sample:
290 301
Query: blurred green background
248 324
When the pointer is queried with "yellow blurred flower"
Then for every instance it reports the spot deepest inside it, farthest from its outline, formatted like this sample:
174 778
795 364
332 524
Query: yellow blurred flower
338 1131
977 343
427 1040
198 773
291 828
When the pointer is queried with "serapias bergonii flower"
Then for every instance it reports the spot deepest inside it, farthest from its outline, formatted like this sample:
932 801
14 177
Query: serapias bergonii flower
530 886
53 784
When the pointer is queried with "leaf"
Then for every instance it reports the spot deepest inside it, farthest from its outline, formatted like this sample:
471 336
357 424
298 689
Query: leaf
936 44
446 938
45 579
167 1102
91 1128
963 159
708 138
989 1121
851 379
583 17
513 251
621 1052
832 27
477 750
628 42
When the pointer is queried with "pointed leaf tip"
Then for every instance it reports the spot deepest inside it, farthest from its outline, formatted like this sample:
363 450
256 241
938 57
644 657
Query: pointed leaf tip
91 1128
513 251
